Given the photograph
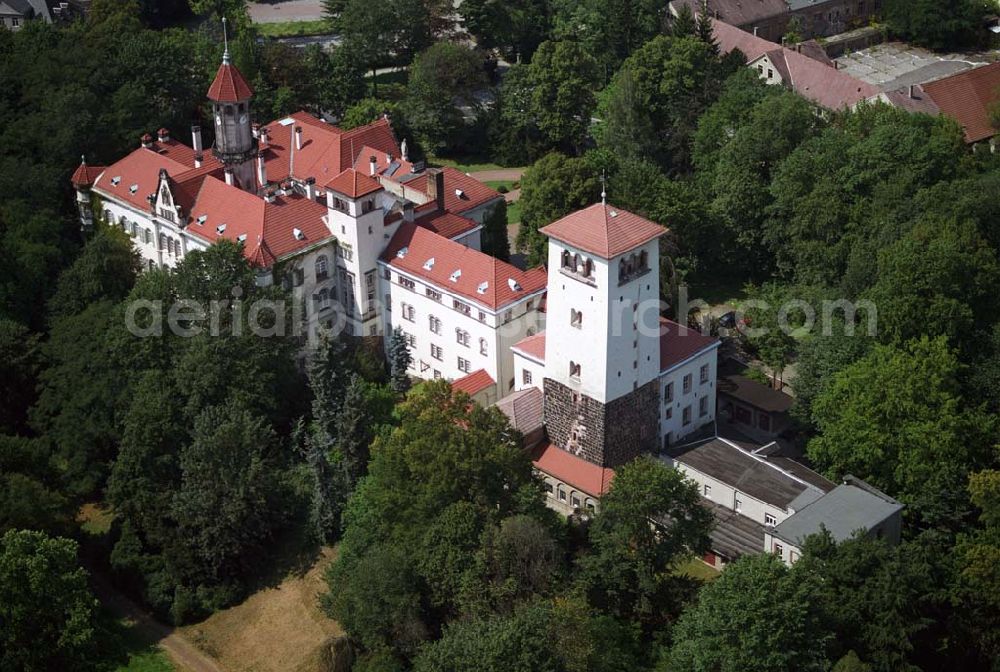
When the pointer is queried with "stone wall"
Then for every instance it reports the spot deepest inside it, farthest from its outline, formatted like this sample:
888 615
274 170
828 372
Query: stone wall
606 435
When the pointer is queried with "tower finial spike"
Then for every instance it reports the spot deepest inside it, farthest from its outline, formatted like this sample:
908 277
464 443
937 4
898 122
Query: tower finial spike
604 187
225 40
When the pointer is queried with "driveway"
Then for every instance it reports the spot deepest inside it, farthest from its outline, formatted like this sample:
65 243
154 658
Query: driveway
499 175
280 11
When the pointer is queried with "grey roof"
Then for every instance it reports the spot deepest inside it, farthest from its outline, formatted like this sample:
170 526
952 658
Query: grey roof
734 534
524 409
736 12
796 5
752 474
23 7
847 508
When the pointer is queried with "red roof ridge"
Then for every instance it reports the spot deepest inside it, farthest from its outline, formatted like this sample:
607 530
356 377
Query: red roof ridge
474 383
604 230
532 346
353 184
573 470
84 175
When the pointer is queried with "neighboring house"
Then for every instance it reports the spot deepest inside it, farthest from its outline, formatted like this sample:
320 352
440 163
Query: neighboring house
802 69
764 501
15 13
752 408
478 385
967 97
773 19
323 211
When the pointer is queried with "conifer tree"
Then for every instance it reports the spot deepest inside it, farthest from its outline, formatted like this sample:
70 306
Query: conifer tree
399 362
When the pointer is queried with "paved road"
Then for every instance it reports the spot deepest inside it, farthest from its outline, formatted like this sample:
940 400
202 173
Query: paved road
185 655
280 11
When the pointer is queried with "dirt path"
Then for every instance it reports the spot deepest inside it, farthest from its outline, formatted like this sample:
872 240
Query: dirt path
183 654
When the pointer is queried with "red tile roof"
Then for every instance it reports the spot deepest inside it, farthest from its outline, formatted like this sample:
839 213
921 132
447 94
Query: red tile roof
532 346
84 175
811 78
604 230
353 184
678 343
326 150
568 468
474 383
474 193
967 98
137 175
229 85
447 224
269 228
413 247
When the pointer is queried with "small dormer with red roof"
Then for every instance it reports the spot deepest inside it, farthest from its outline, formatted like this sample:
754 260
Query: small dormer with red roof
235 144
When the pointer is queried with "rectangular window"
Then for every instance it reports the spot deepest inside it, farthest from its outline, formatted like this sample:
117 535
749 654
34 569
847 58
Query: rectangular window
462 337
668 393
764 422
575 501
437 352
437 374
483 347
703 407
670 412
777 549
435 325
408 312
482 316
411 340
406 282
562 494
508 316
686 416
708 491
548 487
687 383
526 377
770 520
434 294
463 365
369 291
703 374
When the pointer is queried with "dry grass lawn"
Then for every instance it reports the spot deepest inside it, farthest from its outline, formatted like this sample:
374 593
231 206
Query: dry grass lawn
275 629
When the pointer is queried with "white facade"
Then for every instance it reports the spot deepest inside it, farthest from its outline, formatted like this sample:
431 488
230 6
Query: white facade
160 243
606 323
687 395
451 335
529 371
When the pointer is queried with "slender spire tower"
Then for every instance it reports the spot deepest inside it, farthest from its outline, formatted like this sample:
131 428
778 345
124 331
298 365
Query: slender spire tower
235 145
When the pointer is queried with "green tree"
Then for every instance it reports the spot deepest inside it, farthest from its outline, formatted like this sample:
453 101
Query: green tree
978 555
47 611
106 269
627 574
442 82
562 80
399 361
609 31
19 364
683 24
944 25
756 617
896 419
30 496
553 187
496 242
515 27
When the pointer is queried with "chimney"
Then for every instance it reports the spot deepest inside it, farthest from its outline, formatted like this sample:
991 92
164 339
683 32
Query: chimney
261 170
435 187
255 129
311 188
269 195
298 137
147 140
196 139
264 137
408 211
404 150
198 157
230 177
755 31
912 88
163 135
291 157
372 165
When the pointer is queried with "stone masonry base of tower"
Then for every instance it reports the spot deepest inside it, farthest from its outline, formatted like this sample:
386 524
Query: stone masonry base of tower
607 435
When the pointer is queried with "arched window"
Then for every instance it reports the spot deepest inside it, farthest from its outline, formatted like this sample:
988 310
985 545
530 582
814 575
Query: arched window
322 269
108 217
588 268
229 110
622 271
644 260
163 241
566 260
576 262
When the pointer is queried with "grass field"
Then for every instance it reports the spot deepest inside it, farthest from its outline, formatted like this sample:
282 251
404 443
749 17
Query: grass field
496 184
697 569
280 628
293 28
514 213
466 165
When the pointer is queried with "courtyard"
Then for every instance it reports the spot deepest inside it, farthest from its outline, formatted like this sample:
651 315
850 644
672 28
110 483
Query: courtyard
895 65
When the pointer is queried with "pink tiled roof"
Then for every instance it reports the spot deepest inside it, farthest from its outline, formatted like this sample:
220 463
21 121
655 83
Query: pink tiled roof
229 85
678 342
84 175
828 87
474 383
737 12
353 184
604 230
730 37
568 468
967 98
532 346
412 248
474 192
446 224
326 150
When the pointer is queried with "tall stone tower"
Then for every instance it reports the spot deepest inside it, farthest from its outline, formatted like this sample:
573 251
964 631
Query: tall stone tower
602 358
235 146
